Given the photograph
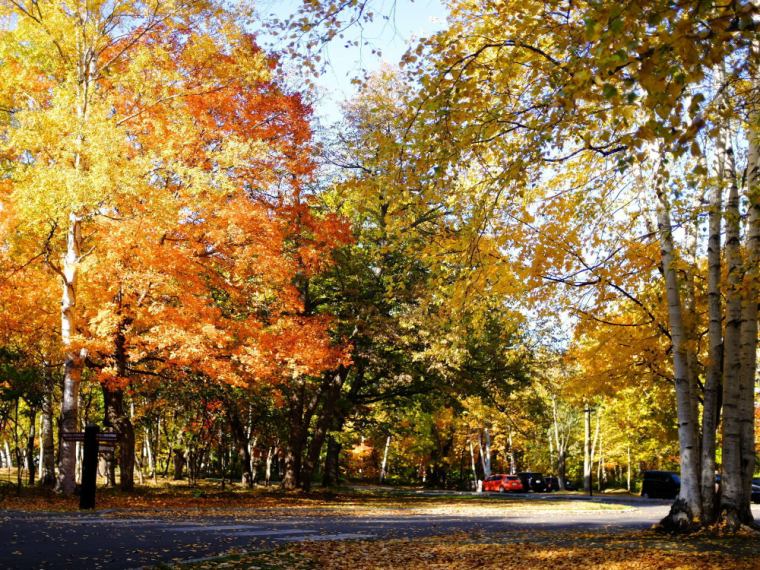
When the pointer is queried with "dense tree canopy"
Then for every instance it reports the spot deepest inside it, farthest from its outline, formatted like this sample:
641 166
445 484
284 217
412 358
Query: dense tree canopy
547 211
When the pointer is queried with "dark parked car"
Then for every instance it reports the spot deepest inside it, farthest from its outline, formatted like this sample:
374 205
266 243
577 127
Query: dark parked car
754 497
532 481
661 484
552 484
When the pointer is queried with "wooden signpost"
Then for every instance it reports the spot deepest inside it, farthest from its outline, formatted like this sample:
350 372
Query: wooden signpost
93 442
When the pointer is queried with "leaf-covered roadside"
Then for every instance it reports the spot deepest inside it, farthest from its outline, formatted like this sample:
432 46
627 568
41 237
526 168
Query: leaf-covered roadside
543 549
207 500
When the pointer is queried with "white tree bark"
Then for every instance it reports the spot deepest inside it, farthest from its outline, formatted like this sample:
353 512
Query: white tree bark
751 297
713 372
512 463
472 459
254 463
690 504
8 457
385 459
485 454
72 367
587 449
731 480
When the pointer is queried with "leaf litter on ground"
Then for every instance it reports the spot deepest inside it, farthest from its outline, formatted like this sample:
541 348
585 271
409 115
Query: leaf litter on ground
637 550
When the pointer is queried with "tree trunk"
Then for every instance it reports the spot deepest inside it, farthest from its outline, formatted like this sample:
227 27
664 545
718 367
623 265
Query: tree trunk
561 445
331 476
47 445
731 479
300 412
241 439
711 403
179 463
121 424
384 464
255 460
140 464
268 469
149 453
30 446
595 445
587 451
293 452
512 463
474 467
292 465
312 455
327 417
157 451
688 506
73 361
751 297
8 456
550 438
485 454
126 432
601 474
690 324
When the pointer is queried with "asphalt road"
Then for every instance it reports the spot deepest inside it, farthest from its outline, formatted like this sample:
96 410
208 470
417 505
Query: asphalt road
109 540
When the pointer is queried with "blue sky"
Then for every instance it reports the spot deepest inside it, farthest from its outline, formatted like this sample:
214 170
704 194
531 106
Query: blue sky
408 20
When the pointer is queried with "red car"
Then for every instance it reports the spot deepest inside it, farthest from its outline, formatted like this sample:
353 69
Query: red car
502 483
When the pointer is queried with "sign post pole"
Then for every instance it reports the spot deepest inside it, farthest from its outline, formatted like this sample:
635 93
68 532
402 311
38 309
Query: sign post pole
89 467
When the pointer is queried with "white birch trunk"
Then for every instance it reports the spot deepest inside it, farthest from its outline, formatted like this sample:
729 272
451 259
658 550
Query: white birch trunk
731 479
385 459
157 451
751 297
689 505
78 461
8 456
472 459
512 464
587 449
41 456
594 447
600 463
72 368
485 454
268 466
73 358
550 437
149 453
713 372
254 464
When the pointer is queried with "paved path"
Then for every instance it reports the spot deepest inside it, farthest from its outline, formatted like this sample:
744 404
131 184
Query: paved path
103 540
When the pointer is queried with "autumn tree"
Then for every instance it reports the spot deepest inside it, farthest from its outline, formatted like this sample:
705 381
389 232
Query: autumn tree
152 155
540 104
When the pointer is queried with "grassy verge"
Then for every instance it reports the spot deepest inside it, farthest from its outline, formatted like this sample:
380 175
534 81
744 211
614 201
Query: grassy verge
615 551
207 499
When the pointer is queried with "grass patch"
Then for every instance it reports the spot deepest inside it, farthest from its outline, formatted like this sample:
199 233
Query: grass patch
208 498
544 549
